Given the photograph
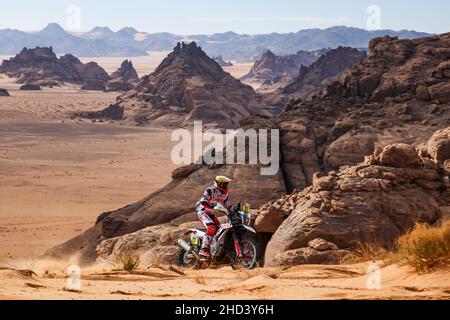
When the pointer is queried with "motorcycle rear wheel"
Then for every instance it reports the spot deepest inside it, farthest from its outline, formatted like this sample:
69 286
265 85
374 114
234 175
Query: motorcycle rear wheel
187 261
250 253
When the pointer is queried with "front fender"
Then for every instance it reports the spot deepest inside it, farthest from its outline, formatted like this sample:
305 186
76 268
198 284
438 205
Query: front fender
197 232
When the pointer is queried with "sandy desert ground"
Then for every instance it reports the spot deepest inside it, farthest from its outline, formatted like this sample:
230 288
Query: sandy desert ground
58 174
157 283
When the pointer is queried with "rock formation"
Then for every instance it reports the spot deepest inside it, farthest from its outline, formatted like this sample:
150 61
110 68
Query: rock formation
30 87
4 93
271 69
41 66
374 103
311 79
91 71
222 62
123 79
372 202
333 202
126 72
188 86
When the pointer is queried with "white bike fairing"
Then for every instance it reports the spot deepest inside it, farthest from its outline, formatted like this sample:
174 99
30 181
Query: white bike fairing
198 233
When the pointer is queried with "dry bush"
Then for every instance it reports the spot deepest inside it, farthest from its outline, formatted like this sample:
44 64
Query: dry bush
425 247
367 252
126 261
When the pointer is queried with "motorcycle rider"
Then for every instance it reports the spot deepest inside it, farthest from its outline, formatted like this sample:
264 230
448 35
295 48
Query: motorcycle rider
214 195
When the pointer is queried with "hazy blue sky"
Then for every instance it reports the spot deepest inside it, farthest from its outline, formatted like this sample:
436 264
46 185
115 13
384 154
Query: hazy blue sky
242 16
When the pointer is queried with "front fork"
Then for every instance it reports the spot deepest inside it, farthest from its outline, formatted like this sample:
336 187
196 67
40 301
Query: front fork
236 245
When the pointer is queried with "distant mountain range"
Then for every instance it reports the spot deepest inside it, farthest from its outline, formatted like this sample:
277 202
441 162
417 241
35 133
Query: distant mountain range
102 41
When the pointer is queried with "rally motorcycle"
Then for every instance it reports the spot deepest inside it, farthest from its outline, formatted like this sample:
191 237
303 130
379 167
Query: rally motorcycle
231 245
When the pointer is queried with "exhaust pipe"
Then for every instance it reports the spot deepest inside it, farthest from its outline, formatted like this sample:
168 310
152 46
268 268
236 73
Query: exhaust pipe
184 245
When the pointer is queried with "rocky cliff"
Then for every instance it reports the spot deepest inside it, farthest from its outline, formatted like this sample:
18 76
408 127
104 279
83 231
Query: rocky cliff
129 42
372 202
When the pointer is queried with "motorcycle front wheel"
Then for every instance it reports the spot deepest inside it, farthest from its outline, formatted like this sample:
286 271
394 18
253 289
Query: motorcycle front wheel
249 260
187 260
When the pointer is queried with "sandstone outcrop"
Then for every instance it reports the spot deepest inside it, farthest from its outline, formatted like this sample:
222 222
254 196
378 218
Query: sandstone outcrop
222 62
91 71
341 125
126 72
271 69
311 79
123 79
372 202
41 66
188 86
4 93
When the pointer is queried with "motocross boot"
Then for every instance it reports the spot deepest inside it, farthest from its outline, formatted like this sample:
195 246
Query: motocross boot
205 253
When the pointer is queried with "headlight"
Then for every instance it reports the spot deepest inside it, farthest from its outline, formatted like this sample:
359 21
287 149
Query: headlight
246 218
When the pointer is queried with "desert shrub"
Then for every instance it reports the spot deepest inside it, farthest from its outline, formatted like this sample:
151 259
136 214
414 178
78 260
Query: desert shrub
367 252
126 261
425 247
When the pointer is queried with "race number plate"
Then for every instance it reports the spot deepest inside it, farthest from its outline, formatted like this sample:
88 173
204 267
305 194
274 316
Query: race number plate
195 241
